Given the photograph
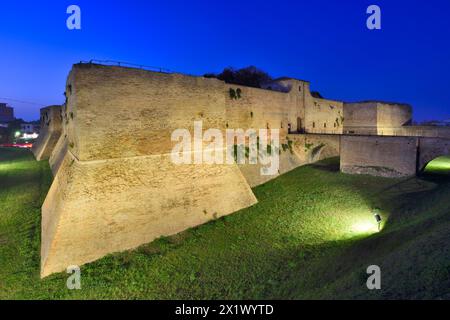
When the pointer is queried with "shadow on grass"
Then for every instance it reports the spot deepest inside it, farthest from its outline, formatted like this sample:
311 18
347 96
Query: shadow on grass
329 165
15 155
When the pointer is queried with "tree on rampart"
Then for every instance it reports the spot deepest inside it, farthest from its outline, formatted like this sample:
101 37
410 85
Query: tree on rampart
250 76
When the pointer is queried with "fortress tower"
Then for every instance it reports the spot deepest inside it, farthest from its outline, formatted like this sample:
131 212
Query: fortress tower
51 128
115 186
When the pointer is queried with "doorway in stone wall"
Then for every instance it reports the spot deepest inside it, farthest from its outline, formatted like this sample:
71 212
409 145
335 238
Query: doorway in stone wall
299 125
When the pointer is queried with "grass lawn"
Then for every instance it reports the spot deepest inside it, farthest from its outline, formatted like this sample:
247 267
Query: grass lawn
311 236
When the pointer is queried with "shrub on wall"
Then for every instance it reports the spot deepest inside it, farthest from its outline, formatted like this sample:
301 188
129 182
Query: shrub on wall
249 76
235 94
308 146
232 93
288 146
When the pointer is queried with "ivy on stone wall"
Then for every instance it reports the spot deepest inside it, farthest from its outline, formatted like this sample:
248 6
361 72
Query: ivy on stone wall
308 146
288 146
235 94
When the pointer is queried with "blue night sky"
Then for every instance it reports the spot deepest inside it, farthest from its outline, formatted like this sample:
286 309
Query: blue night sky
326 42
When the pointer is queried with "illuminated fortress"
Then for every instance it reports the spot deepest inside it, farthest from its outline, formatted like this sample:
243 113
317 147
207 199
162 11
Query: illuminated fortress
109 147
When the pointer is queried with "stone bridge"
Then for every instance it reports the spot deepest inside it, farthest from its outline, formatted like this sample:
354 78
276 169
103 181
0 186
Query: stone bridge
404 154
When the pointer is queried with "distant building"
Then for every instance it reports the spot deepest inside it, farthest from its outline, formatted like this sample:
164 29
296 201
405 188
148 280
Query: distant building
29 131
29 128
6 113
3 134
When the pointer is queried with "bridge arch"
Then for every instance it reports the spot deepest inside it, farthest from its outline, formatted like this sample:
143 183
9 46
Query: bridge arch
324 151
438 166
431 149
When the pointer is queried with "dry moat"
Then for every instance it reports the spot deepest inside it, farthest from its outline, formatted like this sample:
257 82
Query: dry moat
312 235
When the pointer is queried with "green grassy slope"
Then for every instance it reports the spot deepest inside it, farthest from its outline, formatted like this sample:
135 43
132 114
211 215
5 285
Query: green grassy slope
312 235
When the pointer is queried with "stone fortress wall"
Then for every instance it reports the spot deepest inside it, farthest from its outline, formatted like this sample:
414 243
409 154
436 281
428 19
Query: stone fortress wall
293 111
379 156
51 128
115 145
376 118
115 186
324 116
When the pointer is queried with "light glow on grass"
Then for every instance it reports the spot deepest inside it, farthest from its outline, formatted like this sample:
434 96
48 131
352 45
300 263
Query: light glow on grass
365 227
439 165
6 167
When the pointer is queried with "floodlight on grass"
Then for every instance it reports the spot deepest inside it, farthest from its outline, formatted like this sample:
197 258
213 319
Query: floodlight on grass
378 218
